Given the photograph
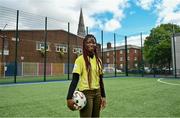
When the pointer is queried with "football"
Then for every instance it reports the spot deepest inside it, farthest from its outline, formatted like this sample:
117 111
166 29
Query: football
80 99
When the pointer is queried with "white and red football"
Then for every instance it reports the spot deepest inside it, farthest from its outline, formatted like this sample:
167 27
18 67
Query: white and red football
80 99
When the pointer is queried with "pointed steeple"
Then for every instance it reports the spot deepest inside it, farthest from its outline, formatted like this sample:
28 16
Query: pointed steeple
81 28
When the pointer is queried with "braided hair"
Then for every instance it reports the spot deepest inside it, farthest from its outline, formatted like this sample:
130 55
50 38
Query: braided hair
86 53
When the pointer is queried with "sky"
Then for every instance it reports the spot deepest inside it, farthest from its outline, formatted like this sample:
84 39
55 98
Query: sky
122 17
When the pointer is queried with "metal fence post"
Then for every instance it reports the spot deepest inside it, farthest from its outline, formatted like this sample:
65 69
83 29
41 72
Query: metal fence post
126 60
87 31
174 51
17 37
142 60
3 37
68 50
45 48
115 54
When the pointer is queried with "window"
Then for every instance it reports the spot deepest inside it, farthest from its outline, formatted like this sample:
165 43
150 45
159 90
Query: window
113 53
135 51
121 51
41 45
128 58
135 65
128 51
107 54
135 58
77 50
121 65
14 39
121 58
61 48
107 60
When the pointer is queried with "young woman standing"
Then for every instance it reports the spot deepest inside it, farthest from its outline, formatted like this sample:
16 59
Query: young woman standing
88 75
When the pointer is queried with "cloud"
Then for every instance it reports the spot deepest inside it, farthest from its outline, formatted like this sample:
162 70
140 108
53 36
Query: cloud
112 25
62 12
131 40
107 6
168 12
145 4
68 11
136 39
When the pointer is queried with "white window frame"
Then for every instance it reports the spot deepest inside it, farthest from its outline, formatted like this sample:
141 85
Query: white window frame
121 58
121 51
128 51
135 51
113 53
121 65
135 65
135 58
61 47
14 39
40 46
107 54
107 60
77 50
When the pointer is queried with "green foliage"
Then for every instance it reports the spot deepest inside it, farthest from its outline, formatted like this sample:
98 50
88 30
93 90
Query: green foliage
42 51
157 46
79 53
61 53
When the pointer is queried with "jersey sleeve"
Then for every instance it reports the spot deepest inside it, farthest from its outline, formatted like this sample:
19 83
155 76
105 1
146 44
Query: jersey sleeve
77 66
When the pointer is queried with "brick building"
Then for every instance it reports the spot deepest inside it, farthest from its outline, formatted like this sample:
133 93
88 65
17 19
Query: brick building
134 56
31 46
31 50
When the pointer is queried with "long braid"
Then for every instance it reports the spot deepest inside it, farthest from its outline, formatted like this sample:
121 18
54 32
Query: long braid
87 61
88 65
99 63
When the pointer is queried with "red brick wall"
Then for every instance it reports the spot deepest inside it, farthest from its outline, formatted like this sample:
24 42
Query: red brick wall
131 55
27 46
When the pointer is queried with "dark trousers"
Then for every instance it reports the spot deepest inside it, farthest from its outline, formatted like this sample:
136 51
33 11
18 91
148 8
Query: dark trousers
92 108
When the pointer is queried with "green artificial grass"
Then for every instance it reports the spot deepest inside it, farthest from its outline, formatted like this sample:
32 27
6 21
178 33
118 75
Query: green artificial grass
126 97
20 79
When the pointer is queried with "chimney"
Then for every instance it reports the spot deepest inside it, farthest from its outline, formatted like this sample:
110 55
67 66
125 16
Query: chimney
108 45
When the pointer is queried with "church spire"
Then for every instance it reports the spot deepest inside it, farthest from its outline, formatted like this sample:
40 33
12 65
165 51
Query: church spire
81 28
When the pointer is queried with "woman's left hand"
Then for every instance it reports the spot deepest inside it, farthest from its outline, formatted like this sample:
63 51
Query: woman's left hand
103 103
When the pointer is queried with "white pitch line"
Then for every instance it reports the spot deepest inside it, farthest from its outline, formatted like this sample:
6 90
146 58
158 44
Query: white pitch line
160 80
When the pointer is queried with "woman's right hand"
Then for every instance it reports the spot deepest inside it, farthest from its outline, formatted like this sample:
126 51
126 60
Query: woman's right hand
71 104
103 103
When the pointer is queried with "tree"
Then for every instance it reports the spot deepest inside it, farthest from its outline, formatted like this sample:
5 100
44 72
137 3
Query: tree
157 46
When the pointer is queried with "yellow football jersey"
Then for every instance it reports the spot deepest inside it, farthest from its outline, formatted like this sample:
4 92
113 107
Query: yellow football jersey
80 68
